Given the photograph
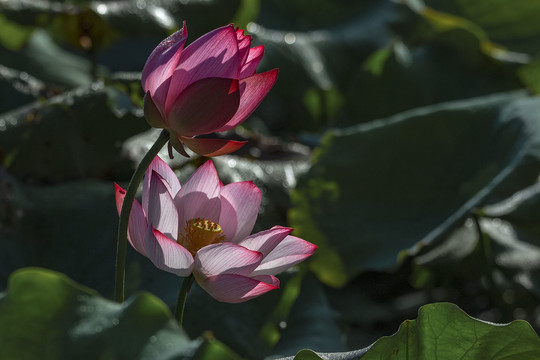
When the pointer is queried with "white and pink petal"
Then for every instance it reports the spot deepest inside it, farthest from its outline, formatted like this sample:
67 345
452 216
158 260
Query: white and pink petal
199 196
266 241
233 288
166 173
240 203
226 258
289 252
162 213
166 254
137 223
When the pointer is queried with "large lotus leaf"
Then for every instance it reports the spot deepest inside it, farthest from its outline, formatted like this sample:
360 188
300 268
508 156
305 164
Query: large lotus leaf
74 135
302 15
68 227
319 59
515 27
400 77
42 58
443 331
399 184
45 315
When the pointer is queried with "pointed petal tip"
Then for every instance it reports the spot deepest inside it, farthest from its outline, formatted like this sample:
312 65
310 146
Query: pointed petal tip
178 145
119 189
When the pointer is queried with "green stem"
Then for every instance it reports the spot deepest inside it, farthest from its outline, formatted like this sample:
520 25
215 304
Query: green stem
134 183
182 295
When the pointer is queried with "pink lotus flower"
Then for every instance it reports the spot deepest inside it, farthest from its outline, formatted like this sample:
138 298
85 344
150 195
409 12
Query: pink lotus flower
210 86
204 228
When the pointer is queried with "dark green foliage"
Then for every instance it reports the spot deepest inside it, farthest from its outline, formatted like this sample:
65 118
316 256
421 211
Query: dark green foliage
402 137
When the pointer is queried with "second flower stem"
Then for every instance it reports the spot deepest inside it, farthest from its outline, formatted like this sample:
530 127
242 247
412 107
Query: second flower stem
121 245
182 295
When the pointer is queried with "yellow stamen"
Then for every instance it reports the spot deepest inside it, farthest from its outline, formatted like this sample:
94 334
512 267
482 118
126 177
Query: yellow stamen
199 233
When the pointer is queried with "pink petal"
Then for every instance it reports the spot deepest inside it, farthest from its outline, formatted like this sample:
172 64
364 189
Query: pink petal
240 203
162 213
212 147
199 197
244 42
233 288
214 54
225 258
254 58
160 65
287 253
204 106
152 113
165 172
137 220
166 254
266 241
252 91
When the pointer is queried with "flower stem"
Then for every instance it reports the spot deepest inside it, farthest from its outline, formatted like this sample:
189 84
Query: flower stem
121 246
182 295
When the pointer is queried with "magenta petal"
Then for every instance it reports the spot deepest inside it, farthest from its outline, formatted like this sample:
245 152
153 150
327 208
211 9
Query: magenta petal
161 64
204 106
287 253
233 288
254 58
244 42
199 197
212 147
252 91
214 54
240 203
166 254
162 213
225 258
137 220
266 241
166 173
